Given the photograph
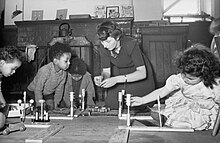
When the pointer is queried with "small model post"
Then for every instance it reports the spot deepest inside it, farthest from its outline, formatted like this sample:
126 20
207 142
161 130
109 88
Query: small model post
128 103
158 102
120 103
20 110
71 103
42 109
83 99
32 109
24 108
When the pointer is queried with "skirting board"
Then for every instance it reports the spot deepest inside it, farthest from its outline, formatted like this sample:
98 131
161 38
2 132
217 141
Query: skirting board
155 129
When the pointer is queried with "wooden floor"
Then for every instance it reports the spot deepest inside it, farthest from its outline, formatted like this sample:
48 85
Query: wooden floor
100 129
91 129
171 137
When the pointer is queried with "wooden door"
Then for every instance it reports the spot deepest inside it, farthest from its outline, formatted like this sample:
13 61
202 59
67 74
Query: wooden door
161 51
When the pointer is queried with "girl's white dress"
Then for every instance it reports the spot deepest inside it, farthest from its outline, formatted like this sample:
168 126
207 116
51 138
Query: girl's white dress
191 106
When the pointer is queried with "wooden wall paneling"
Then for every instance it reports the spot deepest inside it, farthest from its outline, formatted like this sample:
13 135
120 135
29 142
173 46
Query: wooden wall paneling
86 54
161 47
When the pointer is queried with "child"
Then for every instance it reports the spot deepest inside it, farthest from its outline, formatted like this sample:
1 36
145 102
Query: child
214 29
49 82
79 78
10 59
193 93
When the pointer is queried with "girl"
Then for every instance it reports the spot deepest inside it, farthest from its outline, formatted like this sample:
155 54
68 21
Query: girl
193 93
10 60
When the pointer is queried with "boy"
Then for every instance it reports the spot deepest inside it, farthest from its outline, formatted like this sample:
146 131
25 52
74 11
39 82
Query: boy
10 59
49 82
79 78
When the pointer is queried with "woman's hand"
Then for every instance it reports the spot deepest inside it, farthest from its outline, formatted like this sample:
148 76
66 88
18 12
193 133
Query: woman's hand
136 101
109 82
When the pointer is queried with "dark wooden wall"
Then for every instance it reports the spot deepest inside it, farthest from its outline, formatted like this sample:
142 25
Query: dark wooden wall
159 43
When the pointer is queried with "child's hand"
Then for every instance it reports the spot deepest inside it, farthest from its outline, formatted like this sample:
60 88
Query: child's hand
13 107
2 105
98 80
136 101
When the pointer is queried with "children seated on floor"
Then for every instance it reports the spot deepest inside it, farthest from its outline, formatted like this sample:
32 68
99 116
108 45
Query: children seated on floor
79 78
193 95
48 84
10 59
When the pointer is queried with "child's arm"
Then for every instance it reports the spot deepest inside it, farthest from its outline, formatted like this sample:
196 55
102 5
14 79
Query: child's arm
67 89
88 85
59 92
2 99
40 81
162 92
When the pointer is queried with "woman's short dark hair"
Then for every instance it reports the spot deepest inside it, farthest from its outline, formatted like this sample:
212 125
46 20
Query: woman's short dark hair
108 28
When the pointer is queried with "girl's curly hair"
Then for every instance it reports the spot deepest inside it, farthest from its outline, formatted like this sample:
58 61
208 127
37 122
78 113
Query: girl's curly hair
10 53
199 61
107 29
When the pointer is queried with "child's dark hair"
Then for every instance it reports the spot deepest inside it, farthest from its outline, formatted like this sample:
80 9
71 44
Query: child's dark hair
199 61
77 66
10 53
108 28
57 50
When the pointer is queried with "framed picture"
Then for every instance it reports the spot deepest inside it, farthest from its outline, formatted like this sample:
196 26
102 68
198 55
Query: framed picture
100 11
112 12
127 11
61 14
37 15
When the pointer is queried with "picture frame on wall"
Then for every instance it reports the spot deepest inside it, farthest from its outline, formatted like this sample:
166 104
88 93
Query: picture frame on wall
100 11
61 14
112 12
127 11
37 15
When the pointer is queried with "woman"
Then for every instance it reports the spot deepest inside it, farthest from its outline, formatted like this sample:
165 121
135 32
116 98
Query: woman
124 65
214 29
